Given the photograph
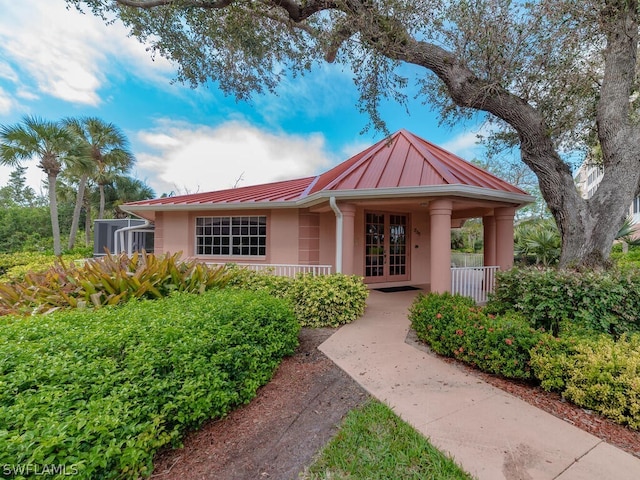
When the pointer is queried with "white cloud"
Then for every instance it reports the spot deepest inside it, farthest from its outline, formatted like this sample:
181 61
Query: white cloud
468 144
462 144
196 158
67 54
7 72
6 102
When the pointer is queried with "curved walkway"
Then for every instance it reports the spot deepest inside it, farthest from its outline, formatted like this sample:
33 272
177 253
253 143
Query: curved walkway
490 433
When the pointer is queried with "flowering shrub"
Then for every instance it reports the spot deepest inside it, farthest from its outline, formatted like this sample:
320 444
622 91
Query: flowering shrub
452 325
568 302
596 373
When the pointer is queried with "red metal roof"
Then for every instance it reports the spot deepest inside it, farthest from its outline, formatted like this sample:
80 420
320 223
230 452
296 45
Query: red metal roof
406 160
403 160
268 192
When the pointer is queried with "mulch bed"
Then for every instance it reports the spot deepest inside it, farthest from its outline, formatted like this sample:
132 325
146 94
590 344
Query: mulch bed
278 434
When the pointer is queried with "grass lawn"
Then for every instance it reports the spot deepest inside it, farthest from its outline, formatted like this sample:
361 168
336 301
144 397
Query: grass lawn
374 443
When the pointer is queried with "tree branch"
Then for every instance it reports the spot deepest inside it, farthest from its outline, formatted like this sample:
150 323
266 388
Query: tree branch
295 11
613 109
186 3
298 13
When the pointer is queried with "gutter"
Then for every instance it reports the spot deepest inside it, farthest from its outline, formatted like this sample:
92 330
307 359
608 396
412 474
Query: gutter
467 191
334 207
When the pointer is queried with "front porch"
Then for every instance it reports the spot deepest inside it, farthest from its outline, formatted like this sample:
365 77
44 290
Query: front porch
474 282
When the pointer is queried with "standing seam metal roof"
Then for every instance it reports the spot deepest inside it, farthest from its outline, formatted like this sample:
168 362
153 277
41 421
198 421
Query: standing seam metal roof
402 160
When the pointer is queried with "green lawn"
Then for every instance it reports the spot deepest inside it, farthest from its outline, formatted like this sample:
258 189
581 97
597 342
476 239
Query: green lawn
374 444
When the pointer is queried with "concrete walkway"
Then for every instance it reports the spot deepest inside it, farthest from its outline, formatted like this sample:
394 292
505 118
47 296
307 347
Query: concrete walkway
490 433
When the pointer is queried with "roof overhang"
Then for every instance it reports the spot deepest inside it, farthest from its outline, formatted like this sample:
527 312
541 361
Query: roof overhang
458 190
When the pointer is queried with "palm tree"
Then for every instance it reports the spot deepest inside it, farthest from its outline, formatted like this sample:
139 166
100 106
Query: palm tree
108 148
76 176
626 234
127 189
538 240
50 142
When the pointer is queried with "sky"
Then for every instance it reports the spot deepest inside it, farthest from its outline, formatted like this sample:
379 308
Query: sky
56 62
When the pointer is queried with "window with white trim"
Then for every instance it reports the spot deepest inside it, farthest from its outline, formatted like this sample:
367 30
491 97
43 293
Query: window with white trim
231 236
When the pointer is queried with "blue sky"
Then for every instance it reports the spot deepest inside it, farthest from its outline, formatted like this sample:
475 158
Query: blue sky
56 63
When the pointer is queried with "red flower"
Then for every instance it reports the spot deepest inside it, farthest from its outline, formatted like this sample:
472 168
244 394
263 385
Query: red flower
460 332
439 315
508 341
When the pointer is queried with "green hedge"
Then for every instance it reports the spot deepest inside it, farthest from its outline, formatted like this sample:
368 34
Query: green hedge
600 374
453 326
595 372
317 300
568 302
102 391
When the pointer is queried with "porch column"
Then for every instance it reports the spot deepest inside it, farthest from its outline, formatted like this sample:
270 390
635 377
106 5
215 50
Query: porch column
489 235
504 237
348 237
440 255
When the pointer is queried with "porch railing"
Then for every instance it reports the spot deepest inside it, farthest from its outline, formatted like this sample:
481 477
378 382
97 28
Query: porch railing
284 270
474 282
459 259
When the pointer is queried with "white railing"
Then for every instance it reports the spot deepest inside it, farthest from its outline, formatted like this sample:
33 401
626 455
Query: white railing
474 282
467 259
283 270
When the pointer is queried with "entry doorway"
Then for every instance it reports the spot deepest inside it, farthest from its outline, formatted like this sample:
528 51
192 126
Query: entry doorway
386 254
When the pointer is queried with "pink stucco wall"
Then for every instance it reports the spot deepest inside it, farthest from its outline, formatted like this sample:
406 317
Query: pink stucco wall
306 237
282 237
328 239
176 233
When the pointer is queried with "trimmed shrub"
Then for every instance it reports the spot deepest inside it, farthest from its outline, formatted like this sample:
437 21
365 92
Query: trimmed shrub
14 266
328 300
317 300
262 281
566 302
103 391
600 374
453 326
109 280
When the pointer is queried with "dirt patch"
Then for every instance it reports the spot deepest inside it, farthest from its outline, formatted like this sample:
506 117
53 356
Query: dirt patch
279 432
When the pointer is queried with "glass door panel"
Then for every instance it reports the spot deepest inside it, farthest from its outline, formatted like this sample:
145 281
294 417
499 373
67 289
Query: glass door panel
386 253
374 245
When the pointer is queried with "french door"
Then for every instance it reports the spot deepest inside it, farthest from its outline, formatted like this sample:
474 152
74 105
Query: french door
386 257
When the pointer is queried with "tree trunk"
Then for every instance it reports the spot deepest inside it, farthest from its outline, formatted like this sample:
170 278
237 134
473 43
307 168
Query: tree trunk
53 208
102 201
76 211
87 220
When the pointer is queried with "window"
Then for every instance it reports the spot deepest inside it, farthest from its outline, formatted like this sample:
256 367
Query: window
238 236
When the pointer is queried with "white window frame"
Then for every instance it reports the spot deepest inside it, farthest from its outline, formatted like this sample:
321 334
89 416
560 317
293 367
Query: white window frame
242 236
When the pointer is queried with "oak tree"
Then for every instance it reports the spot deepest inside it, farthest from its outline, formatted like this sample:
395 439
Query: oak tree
555 76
